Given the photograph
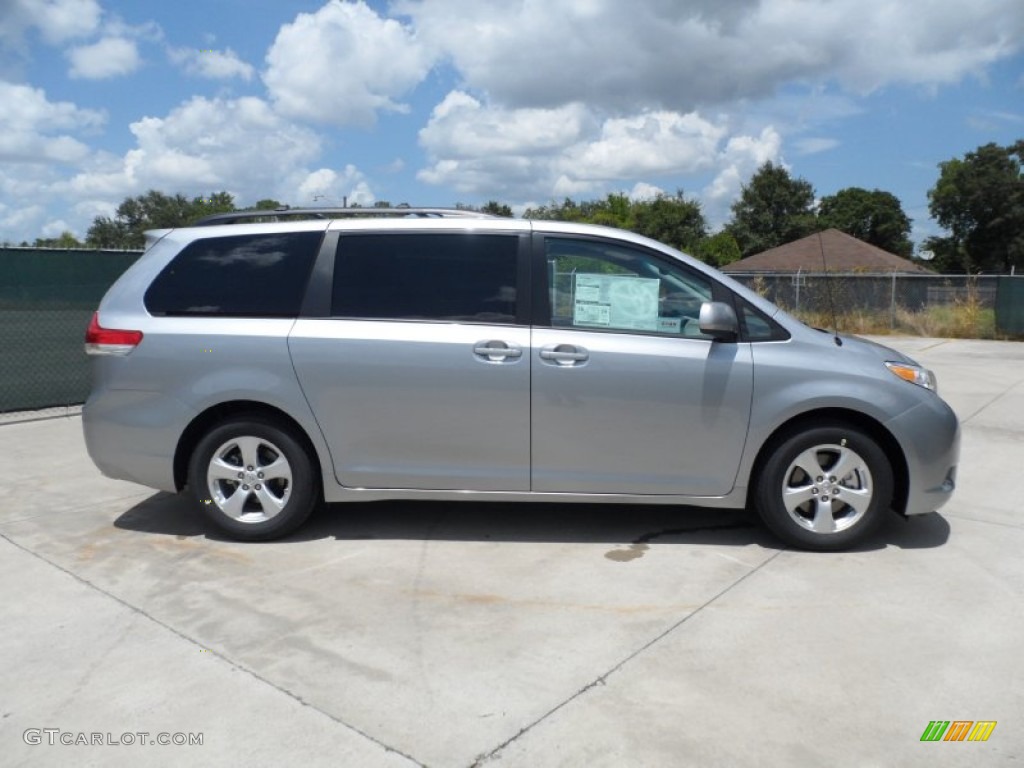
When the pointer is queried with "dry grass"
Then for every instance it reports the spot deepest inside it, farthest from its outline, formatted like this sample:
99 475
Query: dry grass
966 318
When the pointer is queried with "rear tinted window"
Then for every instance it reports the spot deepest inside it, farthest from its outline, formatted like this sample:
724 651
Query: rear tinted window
240 276
454 277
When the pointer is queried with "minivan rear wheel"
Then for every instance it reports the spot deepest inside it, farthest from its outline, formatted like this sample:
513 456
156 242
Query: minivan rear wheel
253 479
825 488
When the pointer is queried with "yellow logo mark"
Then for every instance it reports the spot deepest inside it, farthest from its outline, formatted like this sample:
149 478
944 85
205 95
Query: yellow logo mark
982 730
958 730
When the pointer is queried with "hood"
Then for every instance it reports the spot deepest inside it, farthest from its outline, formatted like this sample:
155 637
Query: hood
880 351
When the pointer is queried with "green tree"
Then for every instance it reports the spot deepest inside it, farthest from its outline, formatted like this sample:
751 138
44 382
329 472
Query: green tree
945 255
495 208
616 210
106 232
266 204
153 210
773 209
979 200
66 240
718 250
216 202
672 220
569 210
874 216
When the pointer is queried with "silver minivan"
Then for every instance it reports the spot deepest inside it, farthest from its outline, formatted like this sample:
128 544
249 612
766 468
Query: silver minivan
271 361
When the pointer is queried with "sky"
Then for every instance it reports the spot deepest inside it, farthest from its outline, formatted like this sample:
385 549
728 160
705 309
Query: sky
438 102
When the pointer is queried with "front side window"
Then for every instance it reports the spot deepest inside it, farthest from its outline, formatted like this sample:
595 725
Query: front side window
427 276
238 276
758 327
606 286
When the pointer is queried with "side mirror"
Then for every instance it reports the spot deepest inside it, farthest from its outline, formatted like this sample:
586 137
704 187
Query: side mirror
718 320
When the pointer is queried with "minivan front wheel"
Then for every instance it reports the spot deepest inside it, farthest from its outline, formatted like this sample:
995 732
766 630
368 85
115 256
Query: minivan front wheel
825 488
253 479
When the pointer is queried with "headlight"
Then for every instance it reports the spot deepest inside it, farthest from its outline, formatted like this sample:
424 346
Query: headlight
915 374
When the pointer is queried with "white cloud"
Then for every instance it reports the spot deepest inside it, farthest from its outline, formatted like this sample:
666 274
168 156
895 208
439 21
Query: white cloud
109 57
739 159
203 145
812 145
737 162
211 63
644 191
662 54
213 143
564 186
33 128
570 151
61 20
55 228
484 150
147 31
325 187
56 20
22 218
317 185
651 142
461 126
87 210
344 64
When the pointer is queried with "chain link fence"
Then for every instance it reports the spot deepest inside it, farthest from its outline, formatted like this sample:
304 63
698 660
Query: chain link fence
47 297
929 305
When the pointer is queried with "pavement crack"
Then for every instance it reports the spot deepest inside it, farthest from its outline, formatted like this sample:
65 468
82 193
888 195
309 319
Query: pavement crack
938 343
983 521
231 662
602 679
993 401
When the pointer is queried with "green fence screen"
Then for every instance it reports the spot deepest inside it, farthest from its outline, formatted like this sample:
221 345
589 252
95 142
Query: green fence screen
1010 305
46 299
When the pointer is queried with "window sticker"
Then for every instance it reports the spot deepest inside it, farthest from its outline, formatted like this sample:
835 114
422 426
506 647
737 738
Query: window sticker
670 324
615 301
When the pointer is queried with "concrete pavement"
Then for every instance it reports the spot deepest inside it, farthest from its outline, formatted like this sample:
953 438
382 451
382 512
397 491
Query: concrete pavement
512 635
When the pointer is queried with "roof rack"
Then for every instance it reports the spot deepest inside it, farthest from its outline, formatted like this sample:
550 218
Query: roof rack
337 213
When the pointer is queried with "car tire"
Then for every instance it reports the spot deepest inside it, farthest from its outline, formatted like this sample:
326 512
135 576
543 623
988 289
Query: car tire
253 479
824 488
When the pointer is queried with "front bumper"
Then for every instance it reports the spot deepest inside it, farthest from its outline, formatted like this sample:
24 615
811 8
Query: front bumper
929 435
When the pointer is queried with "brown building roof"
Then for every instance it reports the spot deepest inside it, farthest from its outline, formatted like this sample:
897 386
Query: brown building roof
843 253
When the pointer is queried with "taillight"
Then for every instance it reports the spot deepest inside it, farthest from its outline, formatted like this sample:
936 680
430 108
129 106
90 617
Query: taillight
109 341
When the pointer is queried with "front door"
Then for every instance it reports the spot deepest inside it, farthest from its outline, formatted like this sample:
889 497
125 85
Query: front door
628 396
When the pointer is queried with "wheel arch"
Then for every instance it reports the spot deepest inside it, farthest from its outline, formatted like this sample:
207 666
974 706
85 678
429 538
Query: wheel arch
236 409
828 416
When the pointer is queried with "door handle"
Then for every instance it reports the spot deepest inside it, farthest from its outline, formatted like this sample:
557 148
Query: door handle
496 351
564 354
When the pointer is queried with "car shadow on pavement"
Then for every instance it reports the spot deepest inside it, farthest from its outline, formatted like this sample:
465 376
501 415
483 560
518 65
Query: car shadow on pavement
629 525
